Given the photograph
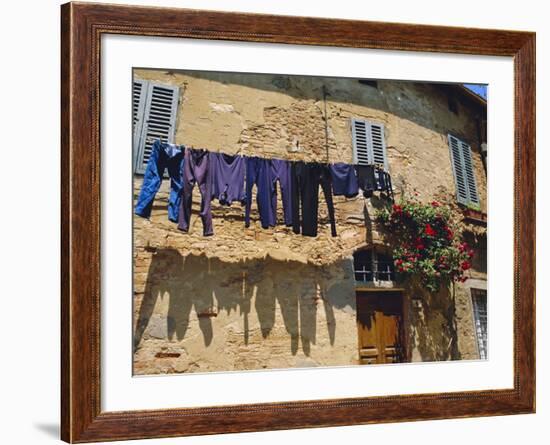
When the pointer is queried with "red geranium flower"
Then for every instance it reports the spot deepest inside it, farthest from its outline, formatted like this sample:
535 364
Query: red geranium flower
429 230
419 244
435 204
465 265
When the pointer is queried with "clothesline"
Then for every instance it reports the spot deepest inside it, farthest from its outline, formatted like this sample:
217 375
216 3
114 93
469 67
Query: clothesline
152 140
230 178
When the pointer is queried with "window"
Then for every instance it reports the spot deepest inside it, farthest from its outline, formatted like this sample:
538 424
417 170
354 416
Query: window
463 170
370 266
154 110
369 144
479 303
479 245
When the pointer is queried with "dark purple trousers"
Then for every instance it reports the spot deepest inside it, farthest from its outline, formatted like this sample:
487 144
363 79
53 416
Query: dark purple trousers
196 170
280 171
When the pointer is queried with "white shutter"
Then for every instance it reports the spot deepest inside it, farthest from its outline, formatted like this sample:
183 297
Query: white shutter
159 120
461 160
369 145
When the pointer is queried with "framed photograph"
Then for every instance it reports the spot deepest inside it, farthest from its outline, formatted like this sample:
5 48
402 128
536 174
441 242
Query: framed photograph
274 222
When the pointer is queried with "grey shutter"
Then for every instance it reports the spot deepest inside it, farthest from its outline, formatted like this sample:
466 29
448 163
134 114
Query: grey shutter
139 97
159 120
360 138
369 145
470 176
461 160
378 145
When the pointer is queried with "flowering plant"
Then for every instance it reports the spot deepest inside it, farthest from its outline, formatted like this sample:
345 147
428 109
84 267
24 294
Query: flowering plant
425 243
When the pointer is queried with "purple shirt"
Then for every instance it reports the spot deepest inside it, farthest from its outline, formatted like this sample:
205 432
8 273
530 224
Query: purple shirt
227 176
344 180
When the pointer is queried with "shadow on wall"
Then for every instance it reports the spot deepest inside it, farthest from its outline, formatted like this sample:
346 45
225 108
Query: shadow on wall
209 286
431 327
436 331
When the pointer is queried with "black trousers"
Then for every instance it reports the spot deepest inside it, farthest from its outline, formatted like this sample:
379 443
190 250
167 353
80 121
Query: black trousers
306 179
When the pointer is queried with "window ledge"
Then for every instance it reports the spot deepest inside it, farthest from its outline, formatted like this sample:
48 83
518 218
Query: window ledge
475 216
376 285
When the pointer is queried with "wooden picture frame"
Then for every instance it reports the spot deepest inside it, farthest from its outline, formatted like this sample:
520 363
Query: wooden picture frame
82 26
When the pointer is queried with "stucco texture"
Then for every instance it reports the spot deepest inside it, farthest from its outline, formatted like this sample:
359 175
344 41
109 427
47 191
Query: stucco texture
251 298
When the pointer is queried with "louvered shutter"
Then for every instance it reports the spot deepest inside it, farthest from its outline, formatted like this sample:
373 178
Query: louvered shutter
362 155
470 176
369 145
159 120
463 170
139 97
378 145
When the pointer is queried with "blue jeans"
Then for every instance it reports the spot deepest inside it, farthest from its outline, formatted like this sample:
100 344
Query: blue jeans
163 156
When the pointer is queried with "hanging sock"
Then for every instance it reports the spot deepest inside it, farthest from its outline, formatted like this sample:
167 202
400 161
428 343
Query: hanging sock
163 156
196 170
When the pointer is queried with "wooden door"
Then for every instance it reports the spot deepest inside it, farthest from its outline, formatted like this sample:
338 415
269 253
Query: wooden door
379 323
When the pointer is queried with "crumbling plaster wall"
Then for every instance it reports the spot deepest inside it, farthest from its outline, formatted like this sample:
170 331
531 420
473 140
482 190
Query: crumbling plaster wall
201 303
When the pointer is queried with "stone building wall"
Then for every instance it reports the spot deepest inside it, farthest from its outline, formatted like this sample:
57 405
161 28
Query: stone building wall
251 298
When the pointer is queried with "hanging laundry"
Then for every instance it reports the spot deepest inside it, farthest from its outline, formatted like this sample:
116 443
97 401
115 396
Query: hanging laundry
258 172
227 176
306 179
280 171
164 156
196 170
380 180
384 183
366 179
230 178
344 180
